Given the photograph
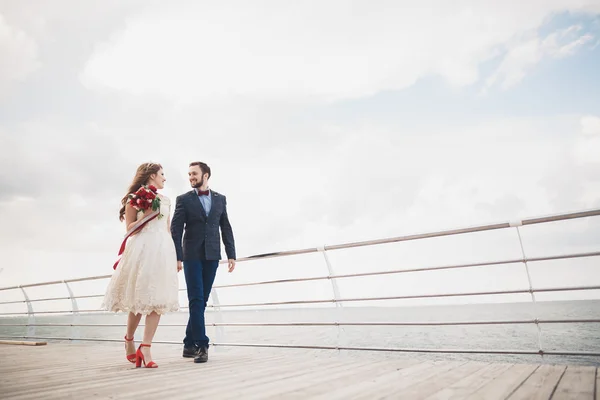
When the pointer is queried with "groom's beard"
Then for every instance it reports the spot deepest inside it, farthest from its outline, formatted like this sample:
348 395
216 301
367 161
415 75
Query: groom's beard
199 184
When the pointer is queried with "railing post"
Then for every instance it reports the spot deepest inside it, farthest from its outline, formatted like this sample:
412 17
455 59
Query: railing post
336 292
330 274
516 225
75 332
219 329
30 314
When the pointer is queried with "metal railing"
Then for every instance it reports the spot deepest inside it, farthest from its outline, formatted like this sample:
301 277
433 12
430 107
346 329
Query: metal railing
338 300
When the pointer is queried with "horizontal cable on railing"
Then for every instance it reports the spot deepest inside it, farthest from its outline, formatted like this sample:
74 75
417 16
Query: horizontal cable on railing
422 269
53 312
480 228
314 347
283 324
62 282
14 302
406 297
89 296
35 300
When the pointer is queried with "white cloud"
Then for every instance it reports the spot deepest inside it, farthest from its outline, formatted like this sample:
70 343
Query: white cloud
19 53
515 64
316 50
524 55
565 42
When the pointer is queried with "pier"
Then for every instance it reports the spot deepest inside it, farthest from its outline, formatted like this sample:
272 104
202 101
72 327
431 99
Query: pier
99 370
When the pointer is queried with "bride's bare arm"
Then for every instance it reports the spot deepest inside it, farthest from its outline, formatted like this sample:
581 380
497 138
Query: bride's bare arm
130 216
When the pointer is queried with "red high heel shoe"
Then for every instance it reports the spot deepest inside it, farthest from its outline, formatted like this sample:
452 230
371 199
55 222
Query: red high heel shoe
130 357
139 357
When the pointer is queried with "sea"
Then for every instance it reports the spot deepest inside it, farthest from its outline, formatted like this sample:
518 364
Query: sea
578 337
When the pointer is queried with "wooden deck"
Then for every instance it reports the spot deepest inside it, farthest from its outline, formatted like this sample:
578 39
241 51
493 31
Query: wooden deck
65 371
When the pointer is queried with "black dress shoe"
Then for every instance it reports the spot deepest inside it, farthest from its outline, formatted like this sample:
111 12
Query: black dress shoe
202 355
190 352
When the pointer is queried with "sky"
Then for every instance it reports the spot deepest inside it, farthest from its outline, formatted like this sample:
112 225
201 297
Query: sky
324 122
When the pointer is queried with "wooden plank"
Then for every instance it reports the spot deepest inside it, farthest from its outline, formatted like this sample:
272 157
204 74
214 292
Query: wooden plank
541 384
505 383
396 388
307 386
155 384
23 343
441 381
471 383
173 377
75 362
247 379
597 386
117 378
248 386
357 386
80 365
577 383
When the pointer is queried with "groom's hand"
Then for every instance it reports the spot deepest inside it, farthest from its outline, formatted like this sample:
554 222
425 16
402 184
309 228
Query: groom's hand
231 265
179 266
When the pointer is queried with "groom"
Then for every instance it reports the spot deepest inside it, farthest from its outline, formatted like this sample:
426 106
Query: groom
202 211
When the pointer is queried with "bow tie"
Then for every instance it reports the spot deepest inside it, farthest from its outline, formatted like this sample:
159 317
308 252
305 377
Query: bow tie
203 193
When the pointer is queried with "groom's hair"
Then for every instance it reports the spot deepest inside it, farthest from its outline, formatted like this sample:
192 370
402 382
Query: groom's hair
205 168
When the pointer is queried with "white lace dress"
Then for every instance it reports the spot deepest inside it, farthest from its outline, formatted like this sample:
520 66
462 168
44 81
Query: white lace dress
145 279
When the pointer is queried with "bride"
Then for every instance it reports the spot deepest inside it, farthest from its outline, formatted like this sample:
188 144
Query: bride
145 281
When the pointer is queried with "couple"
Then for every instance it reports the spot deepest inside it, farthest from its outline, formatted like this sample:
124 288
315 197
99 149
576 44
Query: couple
145 281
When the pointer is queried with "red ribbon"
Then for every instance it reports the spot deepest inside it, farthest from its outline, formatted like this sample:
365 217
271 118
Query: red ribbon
133 230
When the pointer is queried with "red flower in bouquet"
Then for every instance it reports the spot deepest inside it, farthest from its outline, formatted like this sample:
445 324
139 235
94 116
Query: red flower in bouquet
145 198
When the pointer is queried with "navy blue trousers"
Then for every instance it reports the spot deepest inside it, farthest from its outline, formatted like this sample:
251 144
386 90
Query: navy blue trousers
199 278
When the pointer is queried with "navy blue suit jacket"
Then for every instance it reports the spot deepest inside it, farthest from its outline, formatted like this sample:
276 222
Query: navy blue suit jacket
198 232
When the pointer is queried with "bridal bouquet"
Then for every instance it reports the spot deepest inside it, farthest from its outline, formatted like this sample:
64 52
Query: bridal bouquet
145 198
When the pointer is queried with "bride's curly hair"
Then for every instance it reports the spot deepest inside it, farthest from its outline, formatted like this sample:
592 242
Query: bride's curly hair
142 175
